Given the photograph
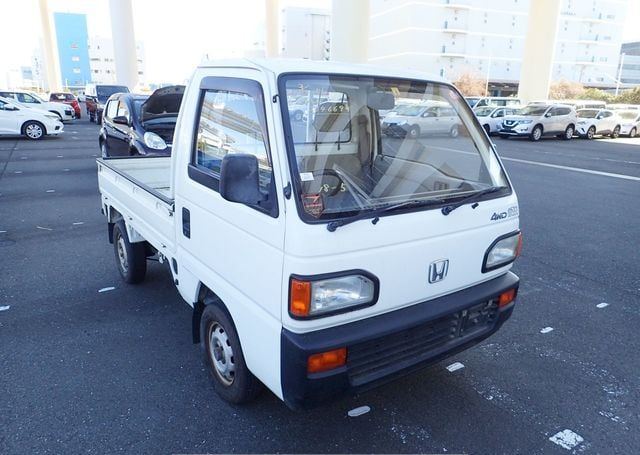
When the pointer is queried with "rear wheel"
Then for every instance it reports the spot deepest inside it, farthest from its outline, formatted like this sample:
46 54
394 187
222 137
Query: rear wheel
616 132
223 357
536 134
633 132
568 133
33 130
131 258
454 131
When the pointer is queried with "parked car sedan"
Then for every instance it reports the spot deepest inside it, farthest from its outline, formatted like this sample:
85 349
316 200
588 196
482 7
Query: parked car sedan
537 120
67 98
19 120
34 101
629 122
415 120
592 122
97 96
139 124
491 117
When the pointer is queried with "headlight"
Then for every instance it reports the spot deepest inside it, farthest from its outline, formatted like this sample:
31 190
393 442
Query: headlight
52 116
401 122
154 141
311 297
503 251
524 122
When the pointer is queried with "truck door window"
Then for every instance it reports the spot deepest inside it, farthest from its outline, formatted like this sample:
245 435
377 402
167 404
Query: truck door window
231 122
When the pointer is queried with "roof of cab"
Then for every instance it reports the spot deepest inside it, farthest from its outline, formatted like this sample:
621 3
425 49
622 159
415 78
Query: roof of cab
279 66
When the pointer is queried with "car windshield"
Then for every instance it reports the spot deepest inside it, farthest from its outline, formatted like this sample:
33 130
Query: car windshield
346 161
629 115
587 113
472 101
38 97
534 110
103 92
484 111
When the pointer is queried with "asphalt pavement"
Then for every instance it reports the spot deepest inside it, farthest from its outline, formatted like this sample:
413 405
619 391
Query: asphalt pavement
84 371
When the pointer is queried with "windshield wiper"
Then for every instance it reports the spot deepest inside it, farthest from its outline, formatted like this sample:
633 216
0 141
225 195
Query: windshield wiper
447 209
332 226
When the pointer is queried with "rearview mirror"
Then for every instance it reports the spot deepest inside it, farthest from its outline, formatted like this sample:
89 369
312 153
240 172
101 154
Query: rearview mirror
239 179
381 101
121 120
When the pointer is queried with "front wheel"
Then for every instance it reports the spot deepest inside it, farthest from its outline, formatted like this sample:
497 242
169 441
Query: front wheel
224 359
536 134
633 132
33 130
414 132
568 133
615 134
454 131
131 258
591 132
487 128
103 149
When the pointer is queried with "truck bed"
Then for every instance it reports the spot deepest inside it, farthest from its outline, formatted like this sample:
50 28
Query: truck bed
139 189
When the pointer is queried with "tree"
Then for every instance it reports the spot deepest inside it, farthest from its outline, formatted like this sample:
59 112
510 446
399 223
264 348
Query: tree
596 94
629 97
471 84
565 90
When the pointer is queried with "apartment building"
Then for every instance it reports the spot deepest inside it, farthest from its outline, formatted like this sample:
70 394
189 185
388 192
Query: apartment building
452 37
102 63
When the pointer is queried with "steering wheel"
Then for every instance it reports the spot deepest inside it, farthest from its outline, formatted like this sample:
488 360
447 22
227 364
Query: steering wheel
332 173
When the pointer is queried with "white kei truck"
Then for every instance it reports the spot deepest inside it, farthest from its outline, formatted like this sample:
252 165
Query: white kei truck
320 256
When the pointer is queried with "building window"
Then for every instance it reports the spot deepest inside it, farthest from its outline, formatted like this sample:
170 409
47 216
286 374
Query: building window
75 58
76 71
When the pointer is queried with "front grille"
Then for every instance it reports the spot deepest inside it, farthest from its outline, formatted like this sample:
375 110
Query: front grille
377 358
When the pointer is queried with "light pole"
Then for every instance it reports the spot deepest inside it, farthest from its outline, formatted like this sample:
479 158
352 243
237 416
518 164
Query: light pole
619 73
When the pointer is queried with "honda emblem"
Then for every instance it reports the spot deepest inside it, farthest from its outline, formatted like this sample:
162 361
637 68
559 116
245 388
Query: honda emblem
438 270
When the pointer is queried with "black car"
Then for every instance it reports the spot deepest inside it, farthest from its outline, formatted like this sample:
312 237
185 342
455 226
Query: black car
139 124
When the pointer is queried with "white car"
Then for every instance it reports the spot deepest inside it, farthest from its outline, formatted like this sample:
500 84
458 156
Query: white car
629 122
592 122
490 117
17 119
34 101
537 120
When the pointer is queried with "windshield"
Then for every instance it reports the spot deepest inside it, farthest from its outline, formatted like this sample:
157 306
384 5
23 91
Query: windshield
629 115
587 113
534 110
346 161
483 111
472 101
103 92
36 96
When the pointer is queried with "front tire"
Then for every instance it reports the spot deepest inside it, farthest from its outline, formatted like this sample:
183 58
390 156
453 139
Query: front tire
414 132
591 132
487 128
536 133
223 356
633 132
454 131
131 258
104 150
33 130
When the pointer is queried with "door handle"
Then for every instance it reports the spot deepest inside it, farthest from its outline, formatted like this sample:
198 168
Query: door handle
186 222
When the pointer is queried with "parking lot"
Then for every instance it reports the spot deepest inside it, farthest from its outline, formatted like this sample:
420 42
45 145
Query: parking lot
89 369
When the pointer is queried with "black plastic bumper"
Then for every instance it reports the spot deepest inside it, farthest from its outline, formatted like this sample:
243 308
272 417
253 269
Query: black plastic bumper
384 347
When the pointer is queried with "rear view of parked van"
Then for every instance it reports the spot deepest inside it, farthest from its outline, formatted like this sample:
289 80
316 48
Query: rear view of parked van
320 255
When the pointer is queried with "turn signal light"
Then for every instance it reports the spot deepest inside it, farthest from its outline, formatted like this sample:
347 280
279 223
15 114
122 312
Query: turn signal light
300 298
329 360
507 297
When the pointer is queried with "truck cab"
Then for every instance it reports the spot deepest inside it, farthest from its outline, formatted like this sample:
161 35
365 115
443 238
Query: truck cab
320 256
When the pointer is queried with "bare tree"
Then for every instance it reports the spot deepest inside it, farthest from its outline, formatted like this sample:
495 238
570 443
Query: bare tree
565 90
471 84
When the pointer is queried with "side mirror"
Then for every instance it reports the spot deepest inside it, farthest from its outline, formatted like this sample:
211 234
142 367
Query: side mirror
548 114
121 120
11 107
239 179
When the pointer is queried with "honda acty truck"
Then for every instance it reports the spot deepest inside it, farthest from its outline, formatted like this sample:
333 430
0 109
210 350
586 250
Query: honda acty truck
320 256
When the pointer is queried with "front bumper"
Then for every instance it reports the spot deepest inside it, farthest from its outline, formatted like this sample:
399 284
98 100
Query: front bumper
384 347
516 130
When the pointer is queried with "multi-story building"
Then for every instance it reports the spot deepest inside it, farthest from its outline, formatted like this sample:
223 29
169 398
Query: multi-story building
452 37
73 54
101 59
630 61
306 33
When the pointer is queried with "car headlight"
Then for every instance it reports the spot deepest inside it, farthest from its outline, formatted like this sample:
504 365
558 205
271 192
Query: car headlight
319 296
401 122
504 250
52 116
525 122
153 141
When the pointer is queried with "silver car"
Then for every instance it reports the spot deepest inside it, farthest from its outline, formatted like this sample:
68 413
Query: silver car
416 120
537 120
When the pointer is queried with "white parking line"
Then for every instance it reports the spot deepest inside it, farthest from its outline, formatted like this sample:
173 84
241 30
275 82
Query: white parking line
575 169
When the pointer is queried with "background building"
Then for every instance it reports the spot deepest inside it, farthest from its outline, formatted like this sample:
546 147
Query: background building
453 37
102 63
630 61
72 46
306 33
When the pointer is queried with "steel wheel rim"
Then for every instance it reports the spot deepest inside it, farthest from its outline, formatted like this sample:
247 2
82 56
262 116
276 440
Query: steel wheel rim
569 133
590 133
122 254
221 354
537 133
33 131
